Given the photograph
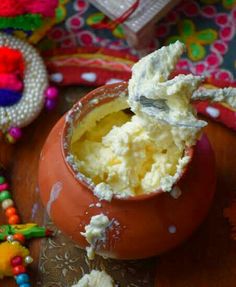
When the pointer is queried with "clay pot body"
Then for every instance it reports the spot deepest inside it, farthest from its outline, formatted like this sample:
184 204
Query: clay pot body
147 224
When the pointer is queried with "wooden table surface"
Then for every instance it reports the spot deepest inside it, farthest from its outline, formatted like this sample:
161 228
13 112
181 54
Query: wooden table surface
207 259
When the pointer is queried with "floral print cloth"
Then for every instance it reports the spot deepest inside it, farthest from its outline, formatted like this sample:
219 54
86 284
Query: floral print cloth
207 27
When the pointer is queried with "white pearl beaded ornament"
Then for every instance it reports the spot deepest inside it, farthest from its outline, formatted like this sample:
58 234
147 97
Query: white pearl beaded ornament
34 94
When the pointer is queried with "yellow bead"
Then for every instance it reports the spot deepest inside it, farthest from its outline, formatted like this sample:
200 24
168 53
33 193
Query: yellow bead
10 139
7 203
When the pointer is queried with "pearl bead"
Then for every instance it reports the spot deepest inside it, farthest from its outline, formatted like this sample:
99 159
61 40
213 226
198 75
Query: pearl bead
4 195
22 278
10 211
10 139
14 219
4 186
50 104
10 238
57 77
25 285
51 93
19 237
16 133
19 269
28 259
7 203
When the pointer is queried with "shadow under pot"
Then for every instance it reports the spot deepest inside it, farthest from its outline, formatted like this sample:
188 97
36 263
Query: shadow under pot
139 226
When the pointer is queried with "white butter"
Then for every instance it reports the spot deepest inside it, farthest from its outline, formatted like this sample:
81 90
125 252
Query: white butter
150 80
143 153
95 279
103 191
225 95
95 233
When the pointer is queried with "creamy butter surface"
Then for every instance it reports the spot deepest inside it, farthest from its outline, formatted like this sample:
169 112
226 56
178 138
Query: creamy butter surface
127 155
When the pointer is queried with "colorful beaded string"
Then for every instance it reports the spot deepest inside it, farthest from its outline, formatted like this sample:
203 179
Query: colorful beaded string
16 234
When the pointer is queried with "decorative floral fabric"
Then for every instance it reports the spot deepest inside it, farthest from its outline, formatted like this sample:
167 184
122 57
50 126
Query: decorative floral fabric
207 27
63 263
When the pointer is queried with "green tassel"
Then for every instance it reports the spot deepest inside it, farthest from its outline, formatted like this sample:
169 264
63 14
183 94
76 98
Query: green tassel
27 22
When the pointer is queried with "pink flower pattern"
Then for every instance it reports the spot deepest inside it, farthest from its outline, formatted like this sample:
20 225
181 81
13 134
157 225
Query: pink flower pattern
217 61
211 65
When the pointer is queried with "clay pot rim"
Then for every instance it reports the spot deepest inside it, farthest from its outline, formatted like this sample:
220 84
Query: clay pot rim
68 123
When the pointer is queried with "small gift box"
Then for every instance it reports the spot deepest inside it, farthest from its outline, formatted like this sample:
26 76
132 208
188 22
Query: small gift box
143 14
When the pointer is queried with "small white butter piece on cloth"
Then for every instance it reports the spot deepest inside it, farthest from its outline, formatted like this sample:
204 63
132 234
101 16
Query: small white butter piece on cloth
95 279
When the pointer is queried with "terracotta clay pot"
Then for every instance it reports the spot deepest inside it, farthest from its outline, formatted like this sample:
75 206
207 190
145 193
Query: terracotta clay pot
146 224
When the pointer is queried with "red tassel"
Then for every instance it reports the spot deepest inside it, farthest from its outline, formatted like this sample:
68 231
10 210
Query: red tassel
11 61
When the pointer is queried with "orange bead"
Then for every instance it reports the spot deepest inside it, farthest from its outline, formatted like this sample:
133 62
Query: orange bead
19 270
10 211
19 237
14 219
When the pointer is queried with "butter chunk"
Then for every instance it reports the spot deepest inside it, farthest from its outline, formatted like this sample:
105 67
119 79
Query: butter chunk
95 279
103 191
128 155
95 233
